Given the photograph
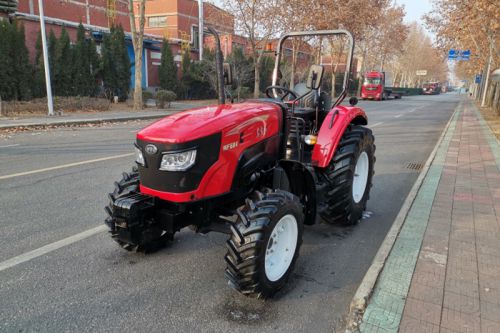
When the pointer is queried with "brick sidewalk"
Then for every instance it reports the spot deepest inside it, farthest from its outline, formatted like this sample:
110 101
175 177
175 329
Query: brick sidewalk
443 273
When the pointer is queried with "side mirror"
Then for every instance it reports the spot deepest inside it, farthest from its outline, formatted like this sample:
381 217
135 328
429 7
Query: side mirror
353 100
228 74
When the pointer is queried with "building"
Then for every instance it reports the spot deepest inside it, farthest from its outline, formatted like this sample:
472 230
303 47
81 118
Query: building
173 20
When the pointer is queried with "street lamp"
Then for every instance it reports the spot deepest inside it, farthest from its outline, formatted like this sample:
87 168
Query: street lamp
50 104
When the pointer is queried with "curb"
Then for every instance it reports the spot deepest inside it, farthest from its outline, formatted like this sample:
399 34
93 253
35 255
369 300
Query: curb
360 300
85 121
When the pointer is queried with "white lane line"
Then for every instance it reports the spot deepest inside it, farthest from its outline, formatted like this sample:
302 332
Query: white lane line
50 247
412 110
64 166
376 124
398 115
7 146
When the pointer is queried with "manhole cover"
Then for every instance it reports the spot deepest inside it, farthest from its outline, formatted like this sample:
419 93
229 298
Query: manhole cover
415 166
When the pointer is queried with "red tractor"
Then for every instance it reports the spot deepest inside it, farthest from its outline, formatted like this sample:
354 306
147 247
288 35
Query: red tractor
258 170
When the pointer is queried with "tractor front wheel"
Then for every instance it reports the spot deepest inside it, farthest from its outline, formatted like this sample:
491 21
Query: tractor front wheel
349 177
264 244
152 238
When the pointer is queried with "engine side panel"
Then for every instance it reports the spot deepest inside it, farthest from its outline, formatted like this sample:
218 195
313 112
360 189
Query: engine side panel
236 137
329 138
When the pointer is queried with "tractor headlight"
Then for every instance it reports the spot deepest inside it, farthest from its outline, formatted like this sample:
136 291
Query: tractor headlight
180 161
139 158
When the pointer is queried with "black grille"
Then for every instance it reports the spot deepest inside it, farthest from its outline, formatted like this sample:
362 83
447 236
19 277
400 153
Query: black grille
207 153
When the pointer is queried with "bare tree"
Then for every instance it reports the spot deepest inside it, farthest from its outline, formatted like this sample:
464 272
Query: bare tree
137 42
258 21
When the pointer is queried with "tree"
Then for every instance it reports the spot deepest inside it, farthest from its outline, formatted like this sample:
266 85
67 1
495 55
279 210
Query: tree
115 64
85 64
137 41
15 70
63 83
242 69
258 21
168 69
39 88
468 25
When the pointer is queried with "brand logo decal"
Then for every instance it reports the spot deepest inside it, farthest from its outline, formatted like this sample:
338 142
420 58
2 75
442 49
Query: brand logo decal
151 149
230 145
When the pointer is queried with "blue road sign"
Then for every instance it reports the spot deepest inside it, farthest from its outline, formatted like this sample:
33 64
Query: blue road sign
478 78
464 55
459 55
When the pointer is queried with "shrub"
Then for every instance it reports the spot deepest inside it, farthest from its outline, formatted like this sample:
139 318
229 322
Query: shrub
165 97
145 96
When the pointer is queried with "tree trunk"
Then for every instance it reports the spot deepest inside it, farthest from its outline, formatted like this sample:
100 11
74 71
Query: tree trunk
137 41
138 102
256 87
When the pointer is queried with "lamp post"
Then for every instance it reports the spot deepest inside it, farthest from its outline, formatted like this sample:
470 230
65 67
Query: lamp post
50 104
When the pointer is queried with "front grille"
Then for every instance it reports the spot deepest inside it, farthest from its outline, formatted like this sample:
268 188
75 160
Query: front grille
151 176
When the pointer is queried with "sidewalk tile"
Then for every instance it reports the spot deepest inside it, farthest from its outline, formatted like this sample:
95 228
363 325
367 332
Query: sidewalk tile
412 325
459 321
425 311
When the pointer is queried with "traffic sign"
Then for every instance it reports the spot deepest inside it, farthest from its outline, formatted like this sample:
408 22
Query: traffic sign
422 72
478 78
459 55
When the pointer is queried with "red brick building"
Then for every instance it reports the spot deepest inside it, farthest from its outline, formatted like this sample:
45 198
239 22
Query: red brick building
93 14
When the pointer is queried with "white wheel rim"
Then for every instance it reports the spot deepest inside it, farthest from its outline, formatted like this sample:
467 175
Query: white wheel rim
360 177
281 247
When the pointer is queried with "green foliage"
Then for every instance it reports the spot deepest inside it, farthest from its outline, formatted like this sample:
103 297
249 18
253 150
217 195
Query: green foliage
85 65
243 73
168 69
146 95
115 68
15 69
63 76
165 97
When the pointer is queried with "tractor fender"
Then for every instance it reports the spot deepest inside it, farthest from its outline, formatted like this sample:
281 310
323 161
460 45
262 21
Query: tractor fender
331 132
302 183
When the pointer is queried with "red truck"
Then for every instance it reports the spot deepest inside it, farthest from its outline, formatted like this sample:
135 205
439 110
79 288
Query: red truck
377 86
431 88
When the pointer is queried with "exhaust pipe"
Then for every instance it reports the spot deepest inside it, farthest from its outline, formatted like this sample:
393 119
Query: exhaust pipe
219 59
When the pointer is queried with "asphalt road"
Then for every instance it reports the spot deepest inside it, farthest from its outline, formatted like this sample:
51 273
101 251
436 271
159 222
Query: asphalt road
94 286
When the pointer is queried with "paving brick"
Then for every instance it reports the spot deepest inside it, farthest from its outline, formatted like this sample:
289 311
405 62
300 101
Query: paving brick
462 303
412 325
459 321
488 326
421 310
425 293
490 311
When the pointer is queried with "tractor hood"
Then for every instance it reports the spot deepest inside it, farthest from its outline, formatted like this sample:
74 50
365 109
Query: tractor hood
201 122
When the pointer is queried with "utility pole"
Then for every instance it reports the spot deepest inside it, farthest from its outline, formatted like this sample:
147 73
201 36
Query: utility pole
50 104
200 28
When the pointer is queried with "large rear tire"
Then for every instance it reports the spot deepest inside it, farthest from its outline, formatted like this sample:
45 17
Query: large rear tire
264 244
153 239
349 177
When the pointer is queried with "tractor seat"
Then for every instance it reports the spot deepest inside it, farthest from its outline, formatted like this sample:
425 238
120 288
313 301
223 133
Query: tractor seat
306 104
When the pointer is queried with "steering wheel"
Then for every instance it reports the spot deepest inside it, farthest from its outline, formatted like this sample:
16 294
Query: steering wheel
282 92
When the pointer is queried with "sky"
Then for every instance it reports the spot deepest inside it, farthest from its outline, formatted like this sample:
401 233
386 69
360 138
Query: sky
415 9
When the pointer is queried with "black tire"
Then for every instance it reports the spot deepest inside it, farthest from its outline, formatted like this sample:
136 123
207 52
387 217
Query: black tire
340 205
157 239
249 241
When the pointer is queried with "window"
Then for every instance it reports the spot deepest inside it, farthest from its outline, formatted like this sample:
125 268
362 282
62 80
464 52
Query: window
195 33
157 21
369 80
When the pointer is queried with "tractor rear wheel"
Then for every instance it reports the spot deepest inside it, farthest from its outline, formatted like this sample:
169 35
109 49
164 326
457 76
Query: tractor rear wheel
153 238
349 177
264 244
